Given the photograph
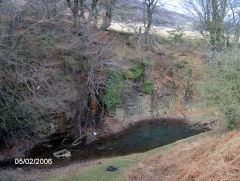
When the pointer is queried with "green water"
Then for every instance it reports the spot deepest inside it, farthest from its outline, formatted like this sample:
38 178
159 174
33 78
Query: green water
139 138
148 136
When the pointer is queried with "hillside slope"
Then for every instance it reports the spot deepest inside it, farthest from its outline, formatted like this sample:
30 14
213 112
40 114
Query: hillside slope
209 159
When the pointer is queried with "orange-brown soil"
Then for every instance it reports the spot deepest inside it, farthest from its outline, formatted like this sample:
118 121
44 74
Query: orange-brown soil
211 159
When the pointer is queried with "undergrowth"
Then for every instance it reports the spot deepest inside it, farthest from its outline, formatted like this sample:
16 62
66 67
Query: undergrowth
115 84
147 87
220 86
114 90
176 35
134 73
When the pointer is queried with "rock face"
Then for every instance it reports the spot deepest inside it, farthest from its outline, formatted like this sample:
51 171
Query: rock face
166 84
137 104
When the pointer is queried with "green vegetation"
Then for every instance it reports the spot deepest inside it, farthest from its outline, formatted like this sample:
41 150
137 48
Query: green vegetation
232 116
176 35
145 62
48 39
147 87
220 85
114 90
171 55
115 84
180 65
190 72
189 88
137 72
134 73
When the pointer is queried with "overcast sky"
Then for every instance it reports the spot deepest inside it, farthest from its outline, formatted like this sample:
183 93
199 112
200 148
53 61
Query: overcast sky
173 5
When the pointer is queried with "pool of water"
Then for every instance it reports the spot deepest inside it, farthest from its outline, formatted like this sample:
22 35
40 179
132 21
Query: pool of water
138 138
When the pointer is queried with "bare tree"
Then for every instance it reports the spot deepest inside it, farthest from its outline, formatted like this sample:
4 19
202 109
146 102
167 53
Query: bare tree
31 90
74 6
107 20
82 9
50 8
235 19
91 13
149 7
211 15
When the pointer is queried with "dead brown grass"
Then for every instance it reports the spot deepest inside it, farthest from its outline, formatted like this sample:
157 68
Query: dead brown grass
212 159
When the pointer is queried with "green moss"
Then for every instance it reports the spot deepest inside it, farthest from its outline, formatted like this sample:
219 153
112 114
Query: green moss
184 61
180 65
134 73
137 72
113 90
232 117
190 72
145 62
147 87
189 88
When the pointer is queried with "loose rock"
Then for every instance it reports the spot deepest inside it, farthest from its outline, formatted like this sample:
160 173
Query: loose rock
112 168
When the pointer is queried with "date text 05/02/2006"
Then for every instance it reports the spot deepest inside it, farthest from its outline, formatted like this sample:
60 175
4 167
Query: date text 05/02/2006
33 161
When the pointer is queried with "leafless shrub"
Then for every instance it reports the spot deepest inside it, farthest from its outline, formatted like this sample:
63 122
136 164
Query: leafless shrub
38 81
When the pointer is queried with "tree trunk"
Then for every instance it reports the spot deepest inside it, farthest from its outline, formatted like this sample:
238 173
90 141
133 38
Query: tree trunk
75 9
76 20
75 13
237 34
81 3
95 16
149 22
108 15
149 5
54 8
91 13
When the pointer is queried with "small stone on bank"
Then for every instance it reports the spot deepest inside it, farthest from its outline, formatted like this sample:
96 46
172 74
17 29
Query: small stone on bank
19 169
112 168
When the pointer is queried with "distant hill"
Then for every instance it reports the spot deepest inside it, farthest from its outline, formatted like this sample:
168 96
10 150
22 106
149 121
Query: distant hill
131 11
171 19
